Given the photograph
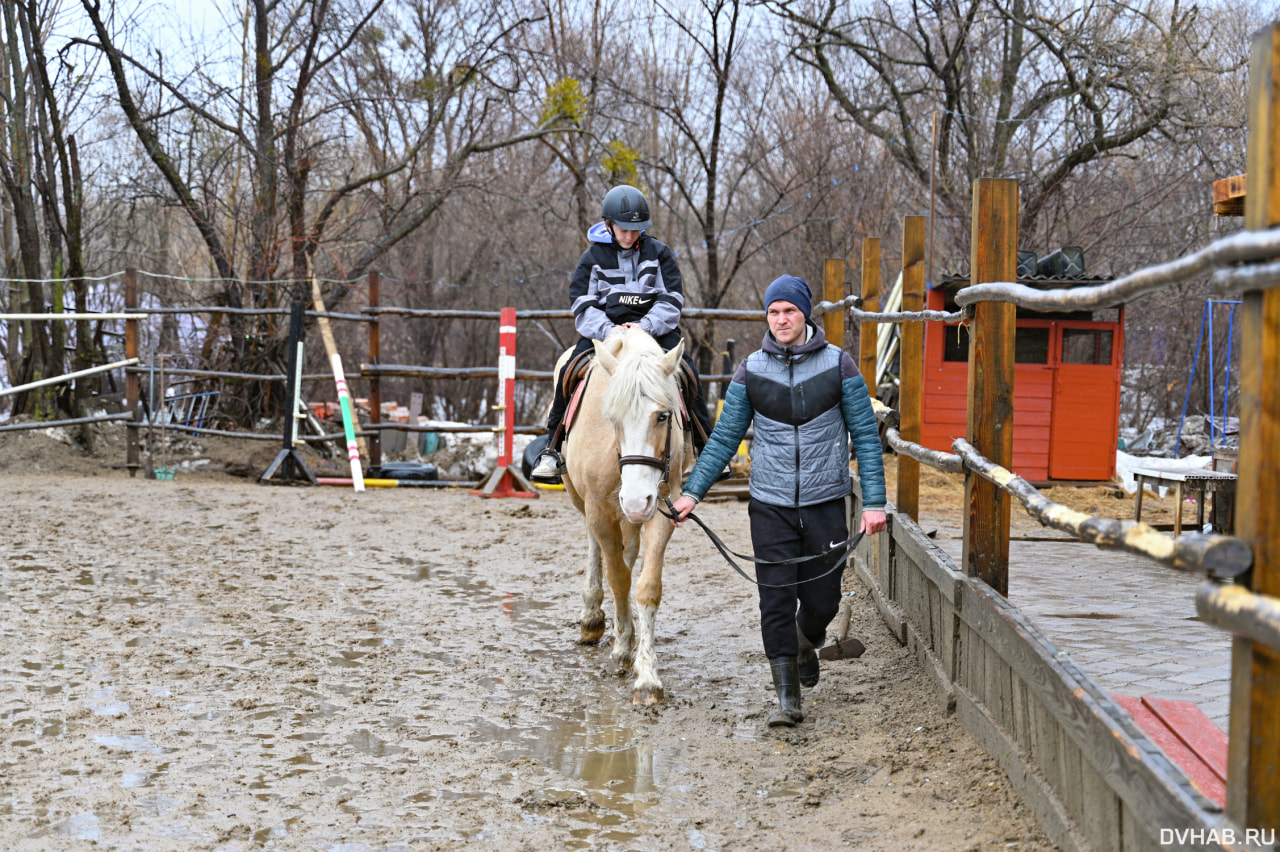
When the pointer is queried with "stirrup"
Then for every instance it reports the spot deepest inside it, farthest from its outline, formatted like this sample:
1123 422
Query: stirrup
549 469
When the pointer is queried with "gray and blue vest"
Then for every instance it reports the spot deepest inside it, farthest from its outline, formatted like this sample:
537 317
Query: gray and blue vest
806 402
800 455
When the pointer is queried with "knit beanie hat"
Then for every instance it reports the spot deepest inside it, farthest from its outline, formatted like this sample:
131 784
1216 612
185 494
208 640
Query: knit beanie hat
790 288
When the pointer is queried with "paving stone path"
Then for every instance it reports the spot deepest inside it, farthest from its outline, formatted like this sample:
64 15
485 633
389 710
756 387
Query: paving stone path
1129 622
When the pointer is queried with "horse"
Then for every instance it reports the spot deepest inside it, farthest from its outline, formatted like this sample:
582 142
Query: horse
624 453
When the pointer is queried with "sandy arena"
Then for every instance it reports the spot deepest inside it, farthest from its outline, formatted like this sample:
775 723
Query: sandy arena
209 663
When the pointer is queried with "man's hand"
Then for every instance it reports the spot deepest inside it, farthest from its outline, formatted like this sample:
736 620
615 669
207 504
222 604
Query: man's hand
683 507
873 521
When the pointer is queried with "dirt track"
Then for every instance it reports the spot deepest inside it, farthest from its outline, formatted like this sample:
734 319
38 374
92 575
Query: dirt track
213 664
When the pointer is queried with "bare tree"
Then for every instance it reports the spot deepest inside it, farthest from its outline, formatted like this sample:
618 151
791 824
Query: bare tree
1035 91
360 121
39 169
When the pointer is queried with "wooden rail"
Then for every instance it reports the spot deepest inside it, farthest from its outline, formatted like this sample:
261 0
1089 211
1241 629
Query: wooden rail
1219 556
1093 779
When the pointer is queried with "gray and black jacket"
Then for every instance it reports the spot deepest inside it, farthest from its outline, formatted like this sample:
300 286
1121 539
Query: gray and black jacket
806 401
612 286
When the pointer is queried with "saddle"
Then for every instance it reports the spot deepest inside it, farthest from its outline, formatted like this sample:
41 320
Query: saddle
575 374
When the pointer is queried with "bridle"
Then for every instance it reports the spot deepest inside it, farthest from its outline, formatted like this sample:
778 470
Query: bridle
663 464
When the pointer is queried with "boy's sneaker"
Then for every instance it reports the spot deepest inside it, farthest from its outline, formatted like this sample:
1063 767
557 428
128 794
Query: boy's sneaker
549 469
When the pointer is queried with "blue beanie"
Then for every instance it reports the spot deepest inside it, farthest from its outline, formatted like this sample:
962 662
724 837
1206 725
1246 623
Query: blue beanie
790 288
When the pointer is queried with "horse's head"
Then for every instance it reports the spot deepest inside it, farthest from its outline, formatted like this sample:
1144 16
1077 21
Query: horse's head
643 404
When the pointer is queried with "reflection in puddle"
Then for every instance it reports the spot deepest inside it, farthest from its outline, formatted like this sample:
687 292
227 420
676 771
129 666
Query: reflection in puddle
621 774
369 744
279 831
143 777
79 827
133 742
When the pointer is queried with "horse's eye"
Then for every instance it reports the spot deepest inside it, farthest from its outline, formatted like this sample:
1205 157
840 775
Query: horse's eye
663 416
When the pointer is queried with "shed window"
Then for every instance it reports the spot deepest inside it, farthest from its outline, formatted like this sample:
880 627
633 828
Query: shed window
1086 346
1031 346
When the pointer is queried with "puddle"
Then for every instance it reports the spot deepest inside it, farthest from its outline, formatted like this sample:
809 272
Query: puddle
369 744
133 742
143 777
279 831
79 827
1093 615
511 605
620 773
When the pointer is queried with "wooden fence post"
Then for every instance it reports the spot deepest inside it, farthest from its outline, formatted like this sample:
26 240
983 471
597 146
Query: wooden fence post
1253 796
375 382
869 332
833 291
991 361
911 361
131 378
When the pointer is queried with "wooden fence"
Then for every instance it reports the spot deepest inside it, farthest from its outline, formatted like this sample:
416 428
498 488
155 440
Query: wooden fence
1093 778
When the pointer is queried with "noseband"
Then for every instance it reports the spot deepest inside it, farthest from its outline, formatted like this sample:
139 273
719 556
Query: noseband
663 464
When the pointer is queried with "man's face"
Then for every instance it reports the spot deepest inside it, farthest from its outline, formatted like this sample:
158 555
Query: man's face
786 321
625 238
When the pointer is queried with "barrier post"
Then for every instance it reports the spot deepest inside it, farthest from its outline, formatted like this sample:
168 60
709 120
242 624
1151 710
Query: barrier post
911 358
990 427
506 383
833 291
1253 757
506 480
131 379
375 381
868 332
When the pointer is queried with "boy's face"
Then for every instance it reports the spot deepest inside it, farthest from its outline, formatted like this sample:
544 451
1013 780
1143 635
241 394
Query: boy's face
625 238
786 321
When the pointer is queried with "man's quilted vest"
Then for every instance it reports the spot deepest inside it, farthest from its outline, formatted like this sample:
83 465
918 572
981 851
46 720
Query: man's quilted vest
800 455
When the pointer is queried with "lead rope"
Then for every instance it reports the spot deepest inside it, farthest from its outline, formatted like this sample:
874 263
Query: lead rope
845 546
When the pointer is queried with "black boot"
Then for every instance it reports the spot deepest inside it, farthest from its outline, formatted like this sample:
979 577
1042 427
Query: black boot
807 661
786 682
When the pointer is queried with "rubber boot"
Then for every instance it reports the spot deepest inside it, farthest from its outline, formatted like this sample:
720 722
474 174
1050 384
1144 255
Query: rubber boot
807 661
786 682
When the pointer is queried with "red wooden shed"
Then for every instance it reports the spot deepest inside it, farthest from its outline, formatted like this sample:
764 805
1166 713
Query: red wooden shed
1066 398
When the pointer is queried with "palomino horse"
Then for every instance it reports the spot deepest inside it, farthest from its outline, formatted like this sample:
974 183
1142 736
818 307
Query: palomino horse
625 451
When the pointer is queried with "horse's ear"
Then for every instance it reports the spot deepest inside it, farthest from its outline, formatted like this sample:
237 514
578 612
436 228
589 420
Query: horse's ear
605 357
671 361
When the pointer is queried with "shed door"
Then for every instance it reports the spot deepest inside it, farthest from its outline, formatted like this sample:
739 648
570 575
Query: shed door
1086 401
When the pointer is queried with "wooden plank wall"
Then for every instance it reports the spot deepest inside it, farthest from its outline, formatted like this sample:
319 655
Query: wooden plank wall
1091 776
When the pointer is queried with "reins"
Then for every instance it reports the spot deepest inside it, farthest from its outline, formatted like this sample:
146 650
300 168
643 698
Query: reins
845 546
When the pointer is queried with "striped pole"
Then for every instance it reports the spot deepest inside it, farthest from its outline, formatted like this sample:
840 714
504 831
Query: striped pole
506 384
344 396
348 419
506 479
53 380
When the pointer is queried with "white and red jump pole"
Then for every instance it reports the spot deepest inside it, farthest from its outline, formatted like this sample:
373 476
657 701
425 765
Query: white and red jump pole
506 480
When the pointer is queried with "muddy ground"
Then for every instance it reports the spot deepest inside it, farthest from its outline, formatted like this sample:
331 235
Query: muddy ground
210 663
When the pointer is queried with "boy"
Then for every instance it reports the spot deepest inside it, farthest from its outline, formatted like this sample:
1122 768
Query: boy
625 278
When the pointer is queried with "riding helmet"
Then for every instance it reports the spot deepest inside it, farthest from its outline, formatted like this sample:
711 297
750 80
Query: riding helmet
626 207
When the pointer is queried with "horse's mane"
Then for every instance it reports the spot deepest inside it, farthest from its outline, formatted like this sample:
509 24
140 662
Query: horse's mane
637 377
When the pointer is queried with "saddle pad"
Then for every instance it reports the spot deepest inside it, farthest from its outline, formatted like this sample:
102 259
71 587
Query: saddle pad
572 409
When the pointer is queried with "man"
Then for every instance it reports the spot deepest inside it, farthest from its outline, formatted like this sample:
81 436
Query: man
806 399
625 277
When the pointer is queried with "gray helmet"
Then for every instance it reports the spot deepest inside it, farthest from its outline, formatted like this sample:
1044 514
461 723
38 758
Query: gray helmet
626 206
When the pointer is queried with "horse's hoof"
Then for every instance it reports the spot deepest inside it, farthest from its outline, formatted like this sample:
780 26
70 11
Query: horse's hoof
647 697
590 634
